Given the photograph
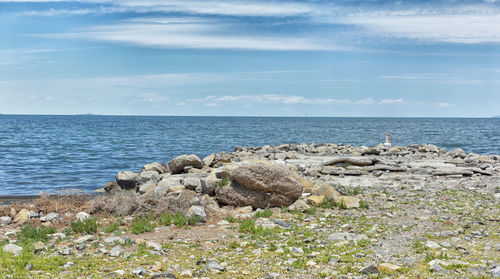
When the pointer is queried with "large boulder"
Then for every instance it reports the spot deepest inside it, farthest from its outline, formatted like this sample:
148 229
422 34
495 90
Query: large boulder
260 186
178 164
126 179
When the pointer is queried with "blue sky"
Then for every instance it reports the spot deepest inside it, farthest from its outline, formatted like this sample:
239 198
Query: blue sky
258 58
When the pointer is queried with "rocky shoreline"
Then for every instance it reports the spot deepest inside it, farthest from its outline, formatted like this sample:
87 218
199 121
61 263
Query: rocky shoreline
287 211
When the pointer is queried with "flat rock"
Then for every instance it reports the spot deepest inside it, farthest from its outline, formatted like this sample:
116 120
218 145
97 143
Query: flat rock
356 161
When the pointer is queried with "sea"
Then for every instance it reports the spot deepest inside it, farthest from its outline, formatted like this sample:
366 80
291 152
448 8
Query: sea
50 154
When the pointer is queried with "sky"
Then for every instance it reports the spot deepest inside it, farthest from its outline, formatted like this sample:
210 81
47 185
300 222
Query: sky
369 58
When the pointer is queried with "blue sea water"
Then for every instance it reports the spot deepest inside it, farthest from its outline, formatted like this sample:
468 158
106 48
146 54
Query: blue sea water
48 153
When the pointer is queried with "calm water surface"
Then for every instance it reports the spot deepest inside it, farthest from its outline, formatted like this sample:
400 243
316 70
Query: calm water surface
47 153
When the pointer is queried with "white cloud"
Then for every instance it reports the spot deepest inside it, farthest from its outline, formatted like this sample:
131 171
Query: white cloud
226 8
452 28
444 105
265 99
391 101
367 101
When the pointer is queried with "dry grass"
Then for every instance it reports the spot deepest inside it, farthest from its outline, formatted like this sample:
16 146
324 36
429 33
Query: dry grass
125 204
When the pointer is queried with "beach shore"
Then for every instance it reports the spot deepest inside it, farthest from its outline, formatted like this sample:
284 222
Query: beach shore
288 211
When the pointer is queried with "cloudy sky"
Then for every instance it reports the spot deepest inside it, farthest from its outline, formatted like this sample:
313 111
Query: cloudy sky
249 57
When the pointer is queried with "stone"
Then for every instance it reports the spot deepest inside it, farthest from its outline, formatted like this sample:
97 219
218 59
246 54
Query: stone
147 176
214 265
265 223
198 211
5 220
178 164
192 183
140 271
38 247
299 205
370 269
307 185
153 245
345 236
115 251
457 153
51 217
207 161
82 216
147 187
126 179
167 275
156 167
348 201
13 248
356 161
22 217
184 200
437 265
388 267
324 189
260 186
176 188
315 200
432 245
112 187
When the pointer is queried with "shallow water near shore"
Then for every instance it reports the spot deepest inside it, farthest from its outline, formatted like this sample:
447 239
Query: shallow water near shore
47 153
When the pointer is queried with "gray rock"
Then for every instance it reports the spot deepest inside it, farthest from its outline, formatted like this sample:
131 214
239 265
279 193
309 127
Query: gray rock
167 275
126 179
370 269
13 248
51 217
495 271
198 211
147 176
115 251
192 183
178 163
153 245
156 167
5 220
260 186
215 266
356 161
457 153
139 271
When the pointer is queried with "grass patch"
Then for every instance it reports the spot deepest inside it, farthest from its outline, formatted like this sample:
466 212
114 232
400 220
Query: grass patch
231 219
165 219
88 226
331 204
142 225
224 181
263 213
194 219
31 234
311 211
363 204
179 219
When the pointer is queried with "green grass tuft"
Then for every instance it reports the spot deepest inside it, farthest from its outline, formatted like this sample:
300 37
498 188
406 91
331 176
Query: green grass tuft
88 226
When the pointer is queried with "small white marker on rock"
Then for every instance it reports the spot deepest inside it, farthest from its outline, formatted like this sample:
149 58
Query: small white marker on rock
387 139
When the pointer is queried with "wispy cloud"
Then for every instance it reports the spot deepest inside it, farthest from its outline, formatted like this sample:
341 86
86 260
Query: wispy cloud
288 100
193 34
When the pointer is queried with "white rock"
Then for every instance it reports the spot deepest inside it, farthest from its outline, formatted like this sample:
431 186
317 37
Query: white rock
5 220
81 216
